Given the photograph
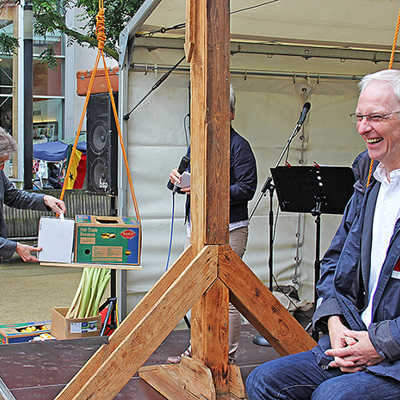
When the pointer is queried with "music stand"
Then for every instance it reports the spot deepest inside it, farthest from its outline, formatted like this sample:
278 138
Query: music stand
316 190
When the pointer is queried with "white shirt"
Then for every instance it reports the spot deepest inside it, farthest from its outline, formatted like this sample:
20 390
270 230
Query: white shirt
387 211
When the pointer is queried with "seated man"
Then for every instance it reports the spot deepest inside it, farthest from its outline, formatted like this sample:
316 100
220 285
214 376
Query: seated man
358 309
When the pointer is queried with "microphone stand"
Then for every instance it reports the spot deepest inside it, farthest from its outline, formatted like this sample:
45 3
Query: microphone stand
268 185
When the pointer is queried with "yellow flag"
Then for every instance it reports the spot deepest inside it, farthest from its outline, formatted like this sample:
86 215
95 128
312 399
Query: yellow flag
73 172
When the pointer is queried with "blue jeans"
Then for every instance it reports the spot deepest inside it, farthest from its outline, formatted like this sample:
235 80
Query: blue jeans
299 377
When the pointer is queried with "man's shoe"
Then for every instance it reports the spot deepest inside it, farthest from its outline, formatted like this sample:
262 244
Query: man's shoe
177 359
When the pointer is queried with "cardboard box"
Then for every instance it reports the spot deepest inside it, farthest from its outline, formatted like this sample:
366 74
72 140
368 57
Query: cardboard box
17 333
100 81
66 328
107 240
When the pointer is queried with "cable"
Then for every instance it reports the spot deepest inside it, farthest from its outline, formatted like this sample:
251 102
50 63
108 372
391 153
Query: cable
183 24
172 231
154 87
170 247
251 7
279 288
187 138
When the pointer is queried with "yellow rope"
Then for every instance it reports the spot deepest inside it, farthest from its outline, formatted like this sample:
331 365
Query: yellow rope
101 38
396 34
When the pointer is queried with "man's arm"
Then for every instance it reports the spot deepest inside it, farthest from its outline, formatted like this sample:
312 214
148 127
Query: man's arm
326 303
16 198
245 173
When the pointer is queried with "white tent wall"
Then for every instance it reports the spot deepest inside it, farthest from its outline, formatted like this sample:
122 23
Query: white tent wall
267 111
271 90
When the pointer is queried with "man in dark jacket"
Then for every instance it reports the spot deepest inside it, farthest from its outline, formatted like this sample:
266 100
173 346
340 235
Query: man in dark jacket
243 184
358 309
13 197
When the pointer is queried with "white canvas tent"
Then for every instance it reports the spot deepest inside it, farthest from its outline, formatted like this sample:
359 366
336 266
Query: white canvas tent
283 54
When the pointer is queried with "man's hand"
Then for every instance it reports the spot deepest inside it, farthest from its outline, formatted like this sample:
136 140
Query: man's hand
57 205
24 251
175 178
352 350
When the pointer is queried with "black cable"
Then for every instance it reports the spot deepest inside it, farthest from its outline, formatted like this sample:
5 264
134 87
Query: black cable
154 87
183 24
187 118
251 7
161 30
279 289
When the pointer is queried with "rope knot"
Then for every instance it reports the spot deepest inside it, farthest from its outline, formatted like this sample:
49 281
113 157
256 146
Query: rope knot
100 29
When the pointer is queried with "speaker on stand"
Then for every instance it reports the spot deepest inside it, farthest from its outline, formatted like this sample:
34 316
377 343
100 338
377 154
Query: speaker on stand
102 145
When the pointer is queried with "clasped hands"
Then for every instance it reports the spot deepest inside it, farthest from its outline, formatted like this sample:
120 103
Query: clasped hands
352 350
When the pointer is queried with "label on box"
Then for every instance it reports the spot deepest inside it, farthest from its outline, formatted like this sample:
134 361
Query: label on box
83 327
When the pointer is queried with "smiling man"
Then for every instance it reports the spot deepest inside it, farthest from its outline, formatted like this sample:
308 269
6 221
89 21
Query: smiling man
358 309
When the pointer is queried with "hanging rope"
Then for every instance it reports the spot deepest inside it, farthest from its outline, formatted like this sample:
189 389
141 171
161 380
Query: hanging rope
396 34
101 39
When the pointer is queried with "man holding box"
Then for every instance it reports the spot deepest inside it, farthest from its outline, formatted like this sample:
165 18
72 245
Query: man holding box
13 197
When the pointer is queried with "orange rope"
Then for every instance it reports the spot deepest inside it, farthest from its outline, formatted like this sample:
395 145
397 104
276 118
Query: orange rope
100 29
396 34
121 139
91 82
101 38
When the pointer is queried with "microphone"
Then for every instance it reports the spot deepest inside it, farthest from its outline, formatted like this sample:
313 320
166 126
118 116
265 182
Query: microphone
183 165
304 111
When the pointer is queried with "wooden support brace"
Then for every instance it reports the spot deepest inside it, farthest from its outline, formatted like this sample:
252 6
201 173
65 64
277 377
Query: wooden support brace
253 299
107 372
189 380
210 333
189 34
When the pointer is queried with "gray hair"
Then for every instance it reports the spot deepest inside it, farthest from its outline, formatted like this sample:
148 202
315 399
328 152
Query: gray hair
7 143
232 99
390 76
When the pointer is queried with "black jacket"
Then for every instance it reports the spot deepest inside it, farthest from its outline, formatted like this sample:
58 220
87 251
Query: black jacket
243 178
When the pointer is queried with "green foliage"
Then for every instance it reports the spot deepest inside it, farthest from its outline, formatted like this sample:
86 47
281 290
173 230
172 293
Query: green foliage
50 17
8 44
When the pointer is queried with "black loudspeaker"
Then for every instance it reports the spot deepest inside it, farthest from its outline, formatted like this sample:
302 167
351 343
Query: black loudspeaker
102 144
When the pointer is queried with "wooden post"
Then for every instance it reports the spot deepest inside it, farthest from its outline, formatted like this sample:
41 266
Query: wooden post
210 158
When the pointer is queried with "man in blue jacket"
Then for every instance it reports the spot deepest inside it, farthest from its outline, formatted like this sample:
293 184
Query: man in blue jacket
243 184
358 309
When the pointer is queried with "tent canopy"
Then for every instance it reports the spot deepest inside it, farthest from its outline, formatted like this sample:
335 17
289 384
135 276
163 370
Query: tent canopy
54 151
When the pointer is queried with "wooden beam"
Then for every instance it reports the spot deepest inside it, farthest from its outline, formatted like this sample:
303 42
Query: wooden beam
236 386
145 328
260 307
189 380
210 333
210 139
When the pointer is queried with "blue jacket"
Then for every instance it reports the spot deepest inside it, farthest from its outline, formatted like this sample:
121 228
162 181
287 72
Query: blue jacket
343 287
243 178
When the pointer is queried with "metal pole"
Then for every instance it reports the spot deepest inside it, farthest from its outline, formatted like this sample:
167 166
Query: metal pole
28 94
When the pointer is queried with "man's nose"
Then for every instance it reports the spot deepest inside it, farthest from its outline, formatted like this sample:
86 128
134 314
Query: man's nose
363 126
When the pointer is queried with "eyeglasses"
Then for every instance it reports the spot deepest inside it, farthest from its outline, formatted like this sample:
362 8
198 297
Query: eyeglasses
374 118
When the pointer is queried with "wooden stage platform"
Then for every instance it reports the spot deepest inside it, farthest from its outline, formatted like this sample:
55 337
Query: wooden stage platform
39 370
